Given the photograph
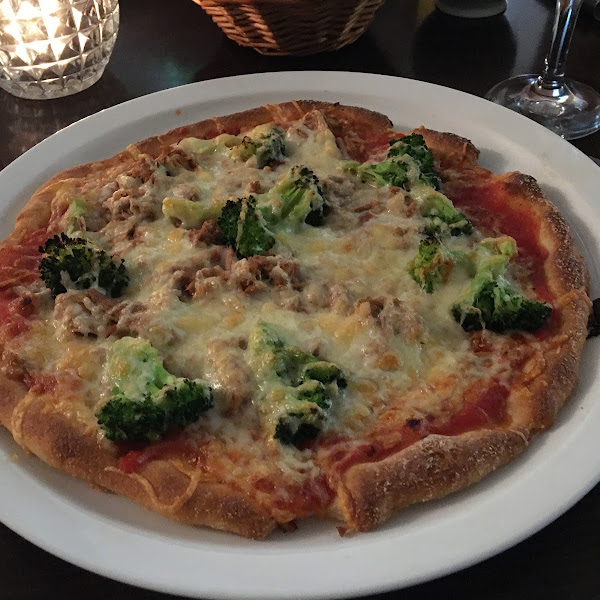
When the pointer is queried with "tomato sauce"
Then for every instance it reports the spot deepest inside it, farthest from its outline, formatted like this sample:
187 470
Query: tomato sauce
487 409
40 383
308 498
19 262
136 455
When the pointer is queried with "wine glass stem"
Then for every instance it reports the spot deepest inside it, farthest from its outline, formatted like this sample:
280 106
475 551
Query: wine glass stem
553 76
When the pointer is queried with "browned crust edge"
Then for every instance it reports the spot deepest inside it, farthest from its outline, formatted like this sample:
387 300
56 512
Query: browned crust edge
436 466
432 468
159 485
369 493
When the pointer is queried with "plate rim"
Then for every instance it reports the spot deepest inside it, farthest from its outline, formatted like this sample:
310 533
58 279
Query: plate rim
171 97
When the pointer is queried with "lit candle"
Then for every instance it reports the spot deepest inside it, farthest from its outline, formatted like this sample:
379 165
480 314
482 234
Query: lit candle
53 48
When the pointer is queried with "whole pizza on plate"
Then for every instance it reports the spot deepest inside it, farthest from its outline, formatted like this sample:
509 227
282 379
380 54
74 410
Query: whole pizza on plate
290 311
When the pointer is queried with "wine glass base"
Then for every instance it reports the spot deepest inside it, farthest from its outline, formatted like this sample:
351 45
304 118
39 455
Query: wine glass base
572 110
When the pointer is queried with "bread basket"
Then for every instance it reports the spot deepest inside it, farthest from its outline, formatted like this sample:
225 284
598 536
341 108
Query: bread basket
297 27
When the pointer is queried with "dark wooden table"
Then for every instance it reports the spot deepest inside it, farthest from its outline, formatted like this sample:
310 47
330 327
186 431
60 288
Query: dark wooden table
166 44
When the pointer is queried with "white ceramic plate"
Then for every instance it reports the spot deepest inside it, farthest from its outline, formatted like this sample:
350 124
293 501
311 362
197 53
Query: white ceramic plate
111 536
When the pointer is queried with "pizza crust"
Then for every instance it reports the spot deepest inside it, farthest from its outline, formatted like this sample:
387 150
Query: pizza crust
432 468
159 485
368 493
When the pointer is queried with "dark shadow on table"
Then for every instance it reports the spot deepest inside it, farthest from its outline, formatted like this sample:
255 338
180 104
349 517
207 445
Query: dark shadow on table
466 54
238 60
31 121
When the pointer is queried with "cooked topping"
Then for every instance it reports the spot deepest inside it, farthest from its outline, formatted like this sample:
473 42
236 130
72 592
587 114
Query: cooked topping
191 214
231 373
296 389
207 269
176 160
265 144
208 234
87 313
393 316
296 198
244 228
83 215
146 401
76 263
489 301
409 162
413 145
255 274
442 216
131 202
433 264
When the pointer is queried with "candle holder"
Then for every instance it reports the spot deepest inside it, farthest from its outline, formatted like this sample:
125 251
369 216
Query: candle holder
54 48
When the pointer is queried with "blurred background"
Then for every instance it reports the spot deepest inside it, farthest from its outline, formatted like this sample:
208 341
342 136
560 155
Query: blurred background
163 45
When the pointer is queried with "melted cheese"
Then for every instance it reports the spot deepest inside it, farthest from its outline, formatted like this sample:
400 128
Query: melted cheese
358 254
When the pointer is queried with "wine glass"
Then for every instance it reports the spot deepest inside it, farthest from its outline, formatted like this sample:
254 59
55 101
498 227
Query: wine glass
569 108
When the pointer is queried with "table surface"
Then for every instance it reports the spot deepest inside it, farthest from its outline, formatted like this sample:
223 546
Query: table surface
166 44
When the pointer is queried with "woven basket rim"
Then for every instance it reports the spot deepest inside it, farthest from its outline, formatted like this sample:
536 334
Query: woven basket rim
288 2
292 27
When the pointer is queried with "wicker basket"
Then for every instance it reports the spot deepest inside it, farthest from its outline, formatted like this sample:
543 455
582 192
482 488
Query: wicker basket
298 27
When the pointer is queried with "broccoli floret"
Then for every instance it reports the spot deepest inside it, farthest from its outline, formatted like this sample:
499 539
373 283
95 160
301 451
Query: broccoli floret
299 389
490 301
290 362
78 209
266 142
297 198
433 263
299 425
146 400
409 162
220 144
388 172
271 355
497 306
244 229
77 262
228 221
443 217
325 372
191 214
414 146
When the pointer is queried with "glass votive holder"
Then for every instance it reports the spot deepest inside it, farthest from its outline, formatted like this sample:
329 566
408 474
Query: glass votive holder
54 48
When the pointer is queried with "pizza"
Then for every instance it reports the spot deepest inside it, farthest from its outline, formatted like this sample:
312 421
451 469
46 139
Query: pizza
287 312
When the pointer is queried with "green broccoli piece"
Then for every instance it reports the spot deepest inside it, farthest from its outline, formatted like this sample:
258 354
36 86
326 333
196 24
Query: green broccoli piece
490 301
290 362
266 142
414 146
433 263
325 372
297 198
191 214
244 229
146 400
299 425
78 208
218 145
298 389
228 220
444 217
78 262
409 162
388 172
